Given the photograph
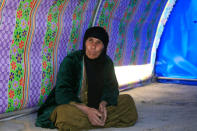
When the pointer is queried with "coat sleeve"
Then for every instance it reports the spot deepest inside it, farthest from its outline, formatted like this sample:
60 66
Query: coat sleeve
64 92
66 89
111 87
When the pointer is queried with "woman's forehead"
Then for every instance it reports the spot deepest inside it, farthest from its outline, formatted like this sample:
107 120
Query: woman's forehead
96 39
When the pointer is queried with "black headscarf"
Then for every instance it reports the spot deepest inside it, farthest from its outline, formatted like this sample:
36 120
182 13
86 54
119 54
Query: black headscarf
95 67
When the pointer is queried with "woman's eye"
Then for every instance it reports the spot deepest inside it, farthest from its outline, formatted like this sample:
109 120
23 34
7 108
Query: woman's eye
90 39
98 42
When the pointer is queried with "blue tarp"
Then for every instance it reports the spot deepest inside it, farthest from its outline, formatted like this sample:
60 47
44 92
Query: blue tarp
177 51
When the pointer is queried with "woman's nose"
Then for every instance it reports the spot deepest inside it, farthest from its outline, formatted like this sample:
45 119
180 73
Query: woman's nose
93 45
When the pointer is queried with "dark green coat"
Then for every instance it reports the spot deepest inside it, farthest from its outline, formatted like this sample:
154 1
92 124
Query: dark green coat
68 85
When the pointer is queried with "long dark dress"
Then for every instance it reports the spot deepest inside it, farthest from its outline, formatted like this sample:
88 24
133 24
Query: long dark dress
68 117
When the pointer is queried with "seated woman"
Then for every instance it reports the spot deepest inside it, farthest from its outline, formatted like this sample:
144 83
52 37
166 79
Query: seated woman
86 94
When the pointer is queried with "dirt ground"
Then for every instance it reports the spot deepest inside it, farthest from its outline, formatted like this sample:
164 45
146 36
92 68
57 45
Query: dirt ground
165 107
161 107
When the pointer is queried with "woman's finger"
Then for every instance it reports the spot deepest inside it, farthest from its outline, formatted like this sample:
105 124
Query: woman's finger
96 121
105 114
100 108
94 117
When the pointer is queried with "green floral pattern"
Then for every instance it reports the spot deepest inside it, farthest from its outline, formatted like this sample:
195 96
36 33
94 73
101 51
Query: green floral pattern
107 13
48 49
16 76
121 42
78 16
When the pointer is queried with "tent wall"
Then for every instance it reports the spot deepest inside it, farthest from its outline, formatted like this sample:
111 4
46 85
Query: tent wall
176 56
37 34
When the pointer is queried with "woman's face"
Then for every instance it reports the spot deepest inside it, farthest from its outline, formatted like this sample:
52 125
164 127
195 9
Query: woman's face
94 47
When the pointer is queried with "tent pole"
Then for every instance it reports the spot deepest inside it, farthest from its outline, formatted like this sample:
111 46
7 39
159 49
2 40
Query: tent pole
167 78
